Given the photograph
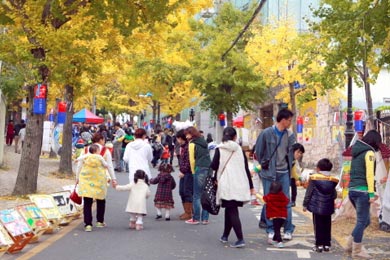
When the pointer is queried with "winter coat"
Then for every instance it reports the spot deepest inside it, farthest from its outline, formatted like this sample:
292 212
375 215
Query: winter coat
138 154
320 194
184 162
362 168
92 177
166 183
138 194
199 154
165 154
233 181
276 205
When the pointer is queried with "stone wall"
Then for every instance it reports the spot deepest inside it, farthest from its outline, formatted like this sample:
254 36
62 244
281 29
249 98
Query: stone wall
323 145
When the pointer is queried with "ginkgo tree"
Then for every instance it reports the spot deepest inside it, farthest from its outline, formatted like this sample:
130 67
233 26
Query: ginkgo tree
160 64
229 84
290 63
355 38
39 30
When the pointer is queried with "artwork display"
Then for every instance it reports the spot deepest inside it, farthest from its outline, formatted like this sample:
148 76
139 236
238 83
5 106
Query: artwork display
47 205
64 204
5 239
14 222
307 135
33 216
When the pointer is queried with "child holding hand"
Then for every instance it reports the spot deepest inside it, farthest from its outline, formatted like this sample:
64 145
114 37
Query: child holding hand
166 183
138 193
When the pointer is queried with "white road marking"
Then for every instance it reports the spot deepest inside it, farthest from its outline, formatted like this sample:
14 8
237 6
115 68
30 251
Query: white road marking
301 253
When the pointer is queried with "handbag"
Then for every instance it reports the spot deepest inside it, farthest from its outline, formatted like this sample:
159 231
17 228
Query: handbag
75 197
208 198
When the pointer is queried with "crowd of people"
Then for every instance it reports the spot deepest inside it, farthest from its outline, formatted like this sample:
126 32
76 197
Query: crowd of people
277 158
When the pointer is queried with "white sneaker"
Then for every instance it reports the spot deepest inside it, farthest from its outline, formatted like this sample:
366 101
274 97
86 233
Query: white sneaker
287 236
270 238
271 235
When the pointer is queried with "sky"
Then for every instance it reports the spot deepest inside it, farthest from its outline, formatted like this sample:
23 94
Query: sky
380 90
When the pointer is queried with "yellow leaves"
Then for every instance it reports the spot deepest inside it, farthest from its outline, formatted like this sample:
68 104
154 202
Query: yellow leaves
270 52
182 96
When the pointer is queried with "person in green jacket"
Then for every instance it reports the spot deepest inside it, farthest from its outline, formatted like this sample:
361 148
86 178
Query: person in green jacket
361 188
200 163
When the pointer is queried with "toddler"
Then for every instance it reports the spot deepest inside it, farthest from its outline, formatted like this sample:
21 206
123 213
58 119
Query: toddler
276 209
166 183
165 154
136 204
319 200
94 152
298 151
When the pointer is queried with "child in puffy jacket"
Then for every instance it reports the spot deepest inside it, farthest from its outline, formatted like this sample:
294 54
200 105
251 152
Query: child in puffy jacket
276 210
319 200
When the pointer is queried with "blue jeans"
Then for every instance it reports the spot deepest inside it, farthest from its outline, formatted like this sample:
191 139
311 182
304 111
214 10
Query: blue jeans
361 202
199 180
186 187
284 179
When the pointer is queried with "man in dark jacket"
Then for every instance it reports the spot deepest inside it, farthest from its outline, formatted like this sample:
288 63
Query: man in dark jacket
319 200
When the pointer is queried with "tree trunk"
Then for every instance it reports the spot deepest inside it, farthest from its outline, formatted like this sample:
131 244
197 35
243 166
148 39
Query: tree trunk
367 90
66 151
229 118
26 182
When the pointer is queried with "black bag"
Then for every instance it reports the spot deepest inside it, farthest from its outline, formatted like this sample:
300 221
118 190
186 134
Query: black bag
264 164
208 198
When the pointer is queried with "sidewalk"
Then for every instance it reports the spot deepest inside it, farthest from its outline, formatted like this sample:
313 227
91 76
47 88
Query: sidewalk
47 183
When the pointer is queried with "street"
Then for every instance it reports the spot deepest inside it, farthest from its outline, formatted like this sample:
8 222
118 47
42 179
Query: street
167 239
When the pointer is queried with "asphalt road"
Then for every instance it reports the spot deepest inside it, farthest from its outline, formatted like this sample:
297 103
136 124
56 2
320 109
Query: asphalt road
165 239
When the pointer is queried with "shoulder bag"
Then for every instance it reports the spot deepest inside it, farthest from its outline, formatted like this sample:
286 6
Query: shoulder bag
208 198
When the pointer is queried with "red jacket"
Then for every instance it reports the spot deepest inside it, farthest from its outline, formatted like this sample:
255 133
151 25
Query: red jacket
276 205
165 154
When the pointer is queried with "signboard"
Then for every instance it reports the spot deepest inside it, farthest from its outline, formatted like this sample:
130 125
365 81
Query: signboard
386 100
14 222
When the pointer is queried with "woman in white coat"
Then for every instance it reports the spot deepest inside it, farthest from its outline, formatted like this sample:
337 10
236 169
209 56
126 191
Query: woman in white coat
234 183
138 154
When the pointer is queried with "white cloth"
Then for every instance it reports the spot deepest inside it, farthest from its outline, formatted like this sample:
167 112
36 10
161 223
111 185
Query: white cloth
233 182
138 193
386 202
380 175
138 154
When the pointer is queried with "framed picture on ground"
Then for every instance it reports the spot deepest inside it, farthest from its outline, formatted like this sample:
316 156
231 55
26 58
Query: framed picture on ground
64 204
47 205
5 239
33 216
14 222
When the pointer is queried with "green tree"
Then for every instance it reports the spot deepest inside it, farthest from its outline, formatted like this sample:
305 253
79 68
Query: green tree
354 34
226 85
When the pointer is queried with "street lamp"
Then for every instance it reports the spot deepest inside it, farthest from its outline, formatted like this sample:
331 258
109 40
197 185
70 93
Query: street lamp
349 132
192 114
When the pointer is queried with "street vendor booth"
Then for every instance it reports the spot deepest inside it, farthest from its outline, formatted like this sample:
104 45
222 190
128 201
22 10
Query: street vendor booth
86 116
